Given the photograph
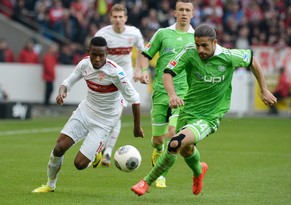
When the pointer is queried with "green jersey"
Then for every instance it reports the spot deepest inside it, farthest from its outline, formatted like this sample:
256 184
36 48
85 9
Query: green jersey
209 80
168 42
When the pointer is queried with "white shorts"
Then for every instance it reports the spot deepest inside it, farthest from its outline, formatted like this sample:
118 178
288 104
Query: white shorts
81 126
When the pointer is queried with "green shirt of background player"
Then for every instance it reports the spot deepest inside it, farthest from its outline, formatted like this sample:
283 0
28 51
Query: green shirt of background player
168 42
209 69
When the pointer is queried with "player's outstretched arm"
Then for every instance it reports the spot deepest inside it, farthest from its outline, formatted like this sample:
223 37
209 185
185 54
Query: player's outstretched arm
174 100
62 94
267 97
137 130
141 63
144 64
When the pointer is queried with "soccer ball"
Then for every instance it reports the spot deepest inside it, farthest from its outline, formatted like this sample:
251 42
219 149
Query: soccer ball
127 158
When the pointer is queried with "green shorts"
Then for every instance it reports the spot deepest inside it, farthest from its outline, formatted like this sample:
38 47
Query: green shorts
162 115
200 128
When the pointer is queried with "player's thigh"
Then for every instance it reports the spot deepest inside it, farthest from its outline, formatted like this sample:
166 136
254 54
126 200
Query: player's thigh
160 114
201 128
93 142
75 128
159 119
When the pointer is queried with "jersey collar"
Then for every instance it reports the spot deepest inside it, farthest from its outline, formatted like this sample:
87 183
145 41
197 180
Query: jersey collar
218 50
190 30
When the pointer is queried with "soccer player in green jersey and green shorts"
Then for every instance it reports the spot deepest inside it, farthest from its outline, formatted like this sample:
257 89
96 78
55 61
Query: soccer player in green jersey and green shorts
168 42
209 69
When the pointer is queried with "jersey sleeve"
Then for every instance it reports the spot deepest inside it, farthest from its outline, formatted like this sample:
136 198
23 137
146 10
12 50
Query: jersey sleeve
241 57
127 90
180 61
154 45
75 76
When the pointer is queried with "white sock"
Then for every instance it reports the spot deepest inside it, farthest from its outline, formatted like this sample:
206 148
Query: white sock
54 166
112 138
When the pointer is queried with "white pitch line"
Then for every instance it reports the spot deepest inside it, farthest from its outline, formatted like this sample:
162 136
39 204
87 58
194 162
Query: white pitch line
29 131
40 130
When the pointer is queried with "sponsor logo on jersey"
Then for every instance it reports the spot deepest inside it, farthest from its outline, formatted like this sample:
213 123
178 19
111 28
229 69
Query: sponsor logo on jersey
101 88
172 64
179 39
209 78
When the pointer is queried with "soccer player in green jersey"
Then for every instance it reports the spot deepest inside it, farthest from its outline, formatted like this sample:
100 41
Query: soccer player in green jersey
168 42
209 69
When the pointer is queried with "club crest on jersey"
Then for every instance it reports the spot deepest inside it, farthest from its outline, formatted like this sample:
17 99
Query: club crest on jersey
221 68
172 64
101 75
130 40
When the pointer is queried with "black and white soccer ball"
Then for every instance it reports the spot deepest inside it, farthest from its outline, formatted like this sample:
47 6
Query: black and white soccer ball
127 158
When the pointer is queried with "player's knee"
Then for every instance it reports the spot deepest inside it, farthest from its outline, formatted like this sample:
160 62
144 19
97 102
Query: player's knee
156 141
175 143
58 151
80 165
187 151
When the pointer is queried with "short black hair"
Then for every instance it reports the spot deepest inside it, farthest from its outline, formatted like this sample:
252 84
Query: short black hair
98 41
204 30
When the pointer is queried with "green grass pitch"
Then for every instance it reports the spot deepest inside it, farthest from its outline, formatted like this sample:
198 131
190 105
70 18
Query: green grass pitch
249 162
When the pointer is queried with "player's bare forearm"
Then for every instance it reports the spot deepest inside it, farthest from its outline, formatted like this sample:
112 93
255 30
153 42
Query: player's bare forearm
258 73
137 130
267 97
144 64
174 100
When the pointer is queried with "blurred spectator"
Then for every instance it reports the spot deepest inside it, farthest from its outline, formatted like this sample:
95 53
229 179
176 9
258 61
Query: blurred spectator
42 18
3 95
23 13
93 28
66 55
50 61
6 7
6 54
242 39
78 52
282 89
28 54
267 20
213 12
164 13
56 13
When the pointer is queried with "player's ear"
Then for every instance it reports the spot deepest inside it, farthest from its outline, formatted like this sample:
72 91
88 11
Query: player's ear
215 41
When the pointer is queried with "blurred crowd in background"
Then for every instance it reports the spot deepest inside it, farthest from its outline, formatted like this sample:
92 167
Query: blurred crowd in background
72 23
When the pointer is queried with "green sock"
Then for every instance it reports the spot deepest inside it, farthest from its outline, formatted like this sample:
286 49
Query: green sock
164 163
194 163
166 172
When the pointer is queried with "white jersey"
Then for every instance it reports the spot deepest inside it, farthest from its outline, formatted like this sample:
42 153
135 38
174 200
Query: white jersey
120 45
105 87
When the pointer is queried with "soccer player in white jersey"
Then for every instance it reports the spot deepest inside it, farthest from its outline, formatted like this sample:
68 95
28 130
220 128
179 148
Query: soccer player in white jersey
120 40
97 114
